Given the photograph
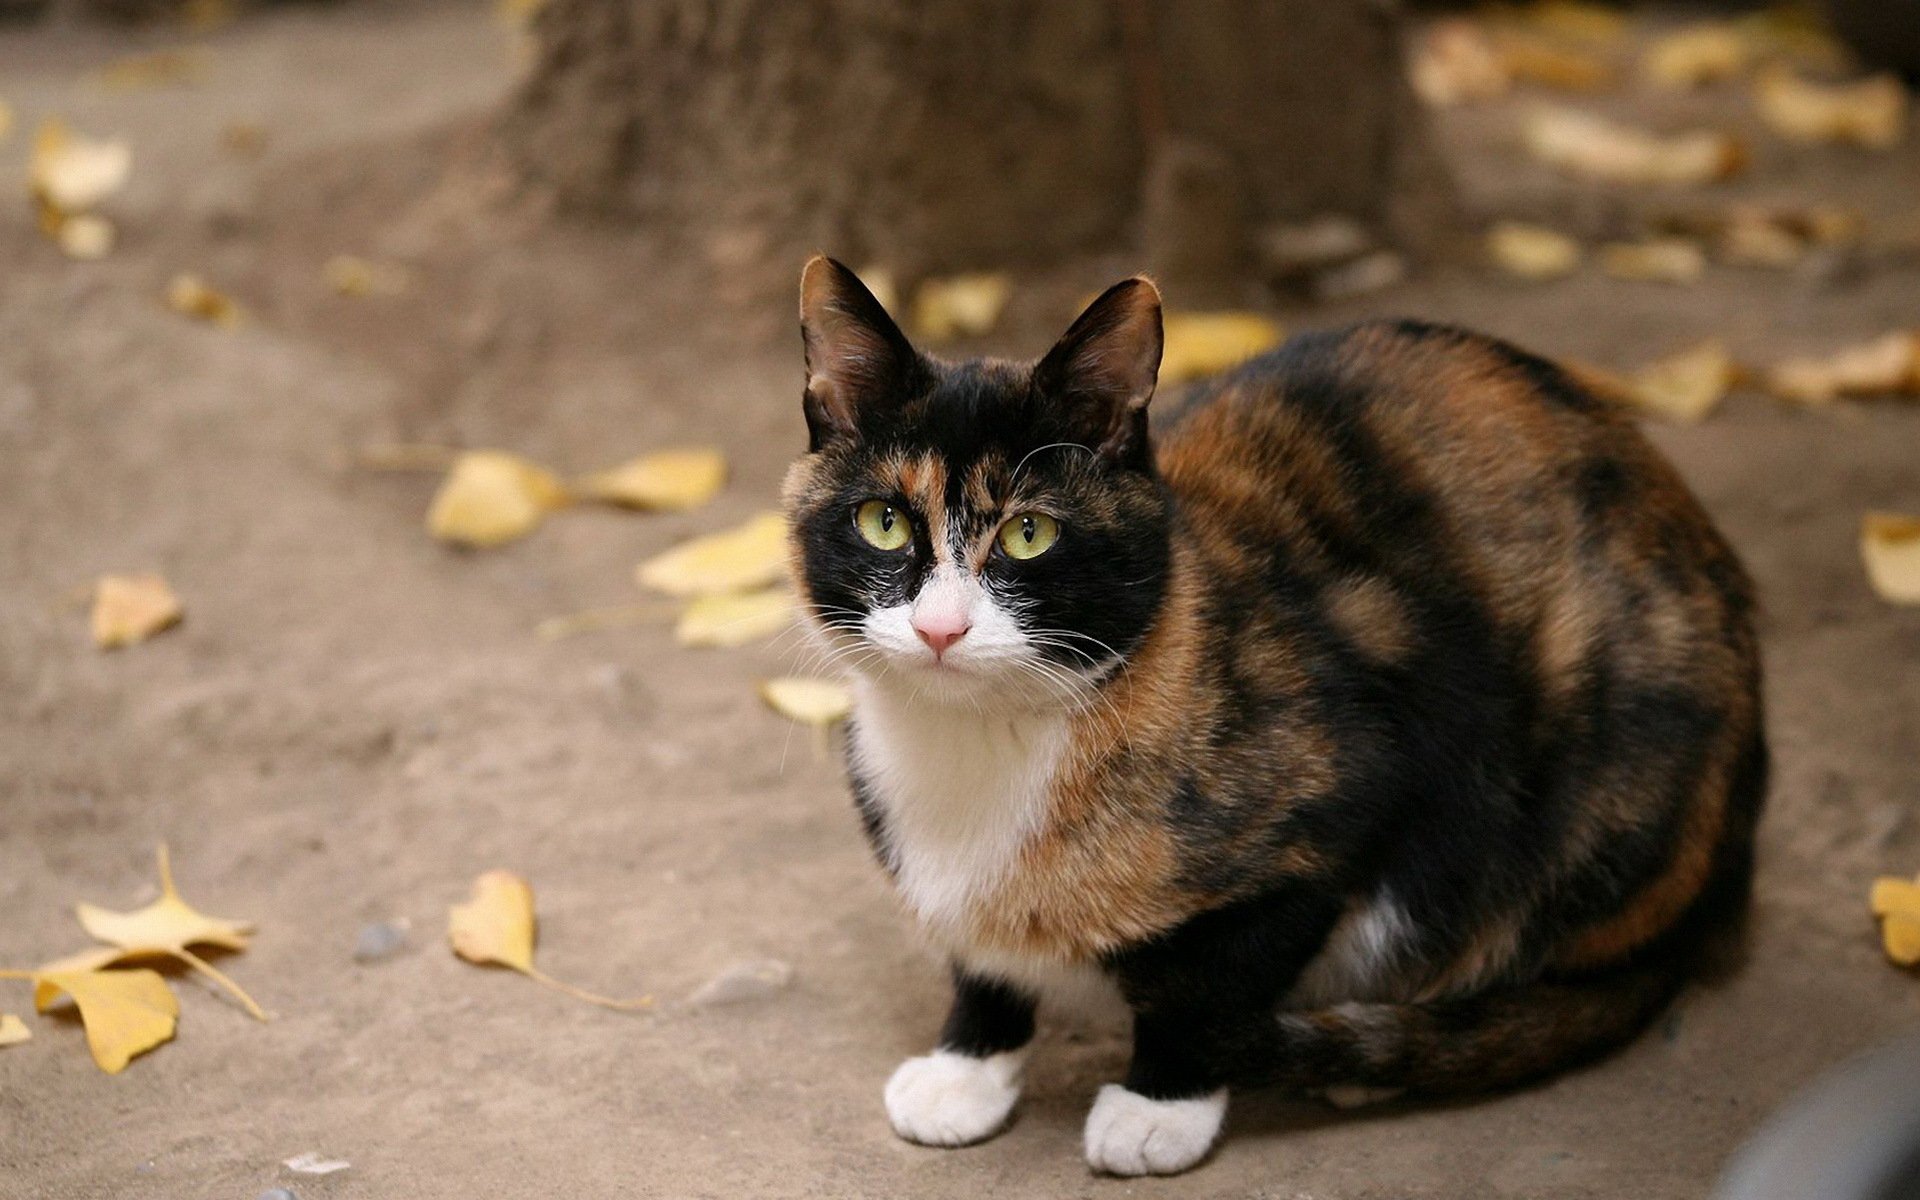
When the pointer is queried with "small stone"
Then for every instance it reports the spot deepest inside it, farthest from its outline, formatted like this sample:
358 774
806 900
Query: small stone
751 979
277 1194
1292 252
380 941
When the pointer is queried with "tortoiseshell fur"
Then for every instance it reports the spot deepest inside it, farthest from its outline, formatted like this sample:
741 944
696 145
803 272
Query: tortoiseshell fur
1432 744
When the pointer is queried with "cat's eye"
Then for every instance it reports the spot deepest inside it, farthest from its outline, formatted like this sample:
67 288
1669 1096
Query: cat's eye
1029 535
884 526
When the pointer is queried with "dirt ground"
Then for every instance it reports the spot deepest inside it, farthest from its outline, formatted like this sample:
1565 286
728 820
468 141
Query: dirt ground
354 721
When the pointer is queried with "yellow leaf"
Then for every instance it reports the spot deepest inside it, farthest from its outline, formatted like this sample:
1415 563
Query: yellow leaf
86 237
816 702
1901 936
191 296
1696 55
491 497
1887 365
351 276
13 1030
1673 260
1583 144
1200 344
496 928
1571 20
1532 251
735 620
168 927
1892 894
1871 112
1890 547
748 556
132 608
1456 63
125 1012
668 480
1686 386
1533 59
71 172
960 305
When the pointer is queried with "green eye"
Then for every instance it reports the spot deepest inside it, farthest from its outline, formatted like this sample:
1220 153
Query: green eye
884 526
1029 535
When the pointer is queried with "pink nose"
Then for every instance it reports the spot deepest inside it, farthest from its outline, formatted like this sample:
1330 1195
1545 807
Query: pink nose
941 632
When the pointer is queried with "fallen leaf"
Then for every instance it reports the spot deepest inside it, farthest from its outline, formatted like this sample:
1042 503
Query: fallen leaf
1201 344
1871 112
125 1012
86 237
1532 59
353 276
1887 365
1685 386
1896 902
132 608
1890 547
191 296
1456 63
1794 32
71 173
1697 55
167 928
960 305
726 621
496 928
1570 20
817 702
667 481
162 68
1592 146
1656 260
1532 251
13 1030
315 1163
747 557
490 497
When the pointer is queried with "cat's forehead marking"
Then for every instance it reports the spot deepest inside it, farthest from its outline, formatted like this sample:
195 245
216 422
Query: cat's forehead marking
921 478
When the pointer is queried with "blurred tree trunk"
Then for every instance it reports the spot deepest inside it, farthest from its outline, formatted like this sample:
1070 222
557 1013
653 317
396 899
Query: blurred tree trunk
944 134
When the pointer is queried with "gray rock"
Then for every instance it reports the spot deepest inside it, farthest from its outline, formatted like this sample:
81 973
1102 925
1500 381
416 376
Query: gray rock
1305 249
380 941
749 979
277 1194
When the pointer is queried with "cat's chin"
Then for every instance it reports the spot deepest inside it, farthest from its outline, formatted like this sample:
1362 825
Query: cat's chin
972 687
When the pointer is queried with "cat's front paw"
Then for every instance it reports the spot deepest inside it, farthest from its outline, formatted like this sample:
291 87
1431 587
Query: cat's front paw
1128 1134
951 1099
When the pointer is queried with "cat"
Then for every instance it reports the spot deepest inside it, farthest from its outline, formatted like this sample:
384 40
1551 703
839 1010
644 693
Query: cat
1389 720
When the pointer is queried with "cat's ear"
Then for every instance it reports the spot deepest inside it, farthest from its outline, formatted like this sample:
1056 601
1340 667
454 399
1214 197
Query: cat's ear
1103 370
857 358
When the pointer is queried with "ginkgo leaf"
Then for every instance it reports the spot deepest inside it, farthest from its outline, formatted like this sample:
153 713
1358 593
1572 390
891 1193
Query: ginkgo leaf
1897 903
71 172
816 702
1584 144
125 1012
748 556
668 480
735 620
13 1030
1887 365
1696 55
1673 260
1201 344
168 927
1890 548
1688 385
1533 59
1870 112
86 237
490 497
1532 251
961 305
496 928
191 296
132 608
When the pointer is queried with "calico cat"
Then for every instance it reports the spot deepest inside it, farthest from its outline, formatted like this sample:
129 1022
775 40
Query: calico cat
1390 721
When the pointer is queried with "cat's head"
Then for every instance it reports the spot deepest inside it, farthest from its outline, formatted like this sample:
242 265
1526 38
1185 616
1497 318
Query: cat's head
987 533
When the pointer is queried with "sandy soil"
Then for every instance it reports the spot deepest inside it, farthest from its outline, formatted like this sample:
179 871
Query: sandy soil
354 720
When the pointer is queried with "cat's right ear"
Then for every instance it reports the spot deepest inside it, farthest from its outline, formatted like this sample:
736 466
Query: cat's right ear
858 361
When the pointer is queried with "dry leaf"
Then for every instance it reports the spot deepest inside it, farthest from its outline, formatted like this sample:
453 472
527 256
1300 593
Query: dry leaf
1532 251
1697 55
1685 386
1896 902
1583 144
191 296
726 621
747 557
71 172
132 608
13 1030
162 68
1532 59
669 480
961 305
125 1012
1888 365
1871 112
490 497
351 276
1656 260
167 928
86 237
1890 547
1201 344
1456 63
816 702
496 928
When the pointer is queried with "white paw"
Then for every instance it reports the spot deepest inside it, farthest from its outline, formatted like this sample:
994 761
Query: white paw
1128 1134
1358 1095
950 1099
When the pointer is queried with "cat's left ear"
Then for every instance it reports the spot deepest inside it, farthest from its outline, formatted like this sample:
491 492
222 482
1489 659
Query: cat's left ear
1103 370
858 361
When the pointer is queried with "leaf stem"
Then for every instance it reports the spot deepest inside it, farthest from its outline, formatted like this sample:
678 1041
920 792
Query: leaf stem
539 976
202 965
